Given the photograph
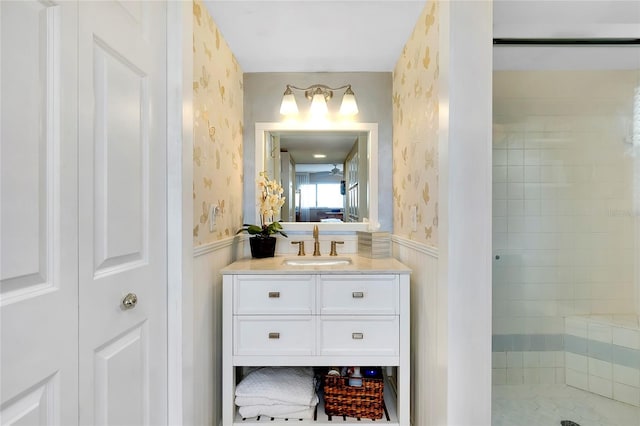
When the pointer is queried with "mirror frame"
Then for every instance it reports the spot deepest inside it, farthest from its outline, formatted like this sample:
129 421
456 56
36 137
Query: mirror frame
372 158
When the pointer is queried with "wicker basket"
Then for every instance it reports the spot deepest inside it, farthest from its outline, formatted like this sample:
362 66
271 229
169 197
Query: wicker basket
364 401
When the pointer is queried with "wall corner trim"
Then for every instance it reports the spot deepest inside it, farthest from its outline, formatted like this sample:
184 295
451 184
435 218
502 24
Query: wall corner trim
415 245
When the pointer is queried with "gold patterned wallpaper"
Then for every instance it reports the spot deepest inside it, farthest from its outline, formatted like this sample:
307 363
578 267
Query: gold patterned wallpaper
415 132
218 128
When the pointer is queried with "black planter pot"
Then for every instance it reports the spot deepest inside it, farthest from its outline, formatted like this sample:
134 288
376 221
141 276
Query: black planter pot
262 247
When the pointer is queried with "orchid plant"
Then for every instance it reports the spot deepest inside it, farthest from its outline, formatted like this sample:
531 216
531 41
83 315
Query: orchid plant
270 200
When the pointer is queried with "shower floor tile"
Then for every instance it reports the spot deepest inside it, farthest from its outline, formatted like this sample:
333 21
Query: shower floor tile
547 405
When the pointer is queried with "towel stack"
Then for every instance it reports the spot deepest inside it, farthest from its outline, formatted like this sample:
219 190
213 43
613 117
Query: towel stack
282 392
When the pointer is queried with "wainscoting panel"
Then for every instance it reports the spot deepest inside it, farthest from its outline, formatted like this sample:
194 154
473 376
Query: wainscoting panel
209 259
426 382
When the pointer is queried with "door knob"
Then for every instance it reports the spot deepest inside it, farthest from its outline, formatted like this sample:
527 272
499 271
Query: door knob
129 301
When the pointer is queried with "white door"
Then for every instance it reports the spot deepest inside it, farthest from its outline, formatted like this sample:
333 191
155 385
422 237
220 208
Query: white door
122 212
38 214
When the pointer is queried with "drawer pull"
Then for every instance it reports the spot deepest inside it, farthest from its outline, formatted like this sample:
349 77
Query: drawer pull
274 335
357 336
357 294
274 294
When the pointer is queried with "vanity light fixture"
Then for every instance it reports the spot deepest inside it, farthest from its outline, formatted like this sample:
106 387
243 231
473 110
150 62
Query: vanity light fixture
318 94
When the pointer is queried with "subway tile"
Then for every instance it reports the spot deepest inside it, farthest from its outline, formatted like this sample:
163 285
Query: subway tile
515 191
500 241
626 375
600 332
532 207
530 359
577 362
532 157
499 157
500 224
599 350
538 342
499 191
499 376
515 157
499 208
514 360
626 394
515 207
560 376
515 376
499 360
515 141
548 359
547 376
532 175
575 345
626 357
521 343
499 173
627 338
576 327
515 174
502 342
601 386
577 379
515 224
600 368
531 376
531 190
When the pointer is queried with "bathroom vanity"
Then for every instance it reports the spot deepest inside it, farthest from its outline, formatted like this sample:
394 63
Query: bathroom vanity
289 311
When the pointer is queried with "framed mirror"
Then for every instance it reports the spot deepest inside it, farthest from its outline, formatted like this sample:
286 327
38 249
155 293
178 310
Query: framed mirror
329 172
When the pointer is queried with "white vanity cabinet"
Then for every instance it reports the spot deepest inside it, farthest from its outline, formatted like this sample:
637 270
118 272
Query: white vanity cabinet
331 316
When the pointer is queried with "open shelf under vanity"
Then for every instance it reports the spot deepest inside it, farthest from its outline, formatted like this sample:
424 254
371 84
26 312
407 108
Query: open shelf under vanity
389 418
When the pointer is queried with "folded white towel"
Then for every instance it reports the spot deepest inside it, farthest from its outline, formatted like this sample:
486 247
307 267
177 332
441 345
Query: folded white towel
243 401
279 385
278 411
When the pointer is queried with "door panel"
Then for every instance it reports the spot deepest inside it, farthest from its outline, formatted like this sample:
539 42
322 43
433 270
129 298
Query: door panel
121 161
122 205
117 371
38 257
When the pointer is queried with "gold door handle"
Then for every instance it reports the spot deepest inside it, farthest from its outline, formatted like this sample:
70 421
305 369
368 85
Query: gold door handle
274 335
274 294
130 301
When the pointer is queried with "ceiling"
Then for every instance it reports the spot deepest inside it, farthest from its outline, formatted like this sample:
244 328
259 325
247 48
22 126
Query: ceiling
369 35
303 145
316 36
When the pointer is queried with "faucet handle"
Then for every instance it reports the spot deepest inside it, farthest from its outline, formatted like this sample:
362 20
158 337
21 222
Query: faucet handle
300 247
333 247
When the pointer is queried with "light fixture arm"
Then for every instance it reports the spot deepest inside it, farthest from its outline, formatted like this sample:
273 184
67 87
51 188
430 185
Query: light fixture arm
315 89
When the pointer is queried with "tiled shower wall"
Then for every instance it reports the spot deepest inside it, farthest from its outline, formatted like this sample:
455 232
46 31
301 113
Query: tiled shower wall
564 212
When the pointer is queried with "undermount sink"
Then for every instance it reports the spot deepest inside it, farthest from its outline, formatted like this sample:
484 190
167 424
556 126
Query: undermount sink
322 261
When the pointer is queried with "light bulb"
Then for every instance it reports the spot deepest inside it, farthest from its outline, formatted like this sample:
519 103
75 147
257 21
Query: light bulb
349 105
318 105
288 105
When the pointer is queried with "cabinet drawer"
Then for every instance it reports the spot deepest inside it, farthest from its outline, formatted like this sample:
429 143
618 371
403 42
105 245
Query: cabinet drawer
358 295
273 335
362 336
285 295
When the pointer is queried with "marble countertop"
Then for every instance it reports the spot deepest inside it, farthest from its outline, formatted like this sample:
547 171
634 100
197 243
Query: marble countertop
276 265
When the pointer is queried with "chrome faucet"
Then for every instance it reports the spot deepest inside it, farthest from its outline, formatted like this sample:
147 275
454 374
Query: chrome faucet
316 244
